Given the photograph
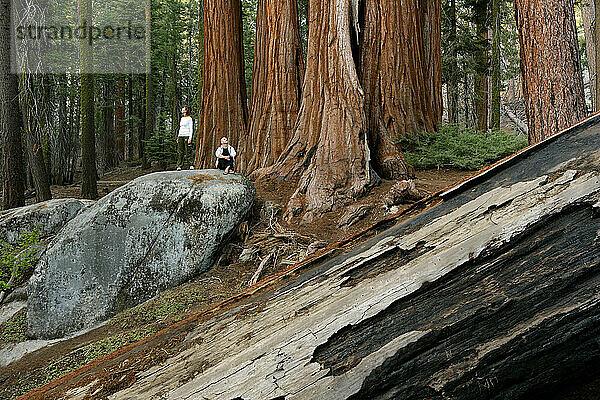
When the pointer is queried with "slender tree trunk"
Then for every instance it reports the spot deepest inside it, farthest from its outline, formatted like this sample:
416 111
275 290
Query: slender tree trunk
89 188
107 138
588 13
496 77
397 86
29 97
224 109
328 152
551 67
175 99
130 125
276 82
480 13
597 52
11 122
453 76
62 145
431 15
120 121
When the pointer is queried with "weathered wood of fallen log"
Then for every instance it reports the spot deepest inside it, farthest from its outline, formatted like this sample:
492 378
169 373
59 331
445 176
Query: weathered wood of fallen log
492 294
419 314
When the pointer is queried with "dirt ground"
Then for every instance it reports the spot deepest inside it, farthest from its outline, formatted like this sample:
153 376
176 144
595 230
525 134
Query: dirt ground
288 244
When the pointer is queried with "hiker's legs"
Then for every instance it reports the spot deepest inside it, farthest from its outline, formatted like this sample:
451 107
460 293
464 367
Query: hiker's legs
181 151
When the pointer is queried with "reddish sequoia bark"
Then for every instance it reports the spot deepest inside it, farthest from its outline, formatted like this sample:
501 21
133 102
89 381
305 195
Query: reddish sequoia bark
397 96
552 78
276 82
328 151
432 45
480 13
224 109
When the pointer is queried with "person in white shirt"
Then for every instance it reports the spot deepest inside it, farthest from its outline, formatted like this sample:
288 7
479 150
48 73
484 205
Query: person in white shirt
225 156
186 131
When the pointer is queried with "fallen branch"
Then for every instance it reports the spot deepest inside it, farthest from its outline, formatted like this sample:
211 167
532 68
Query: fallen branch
261 266
520 124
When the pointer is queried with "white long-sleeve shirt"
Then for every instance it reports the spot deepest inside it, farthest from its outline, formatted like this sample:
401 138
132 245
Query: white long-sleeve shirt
186 127
219 152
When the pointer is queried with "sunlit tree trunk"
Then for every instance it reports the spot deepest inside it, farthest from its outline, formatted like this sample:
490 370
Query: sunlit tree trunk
431 11
224 109
328 152
551 67
276 82
397 84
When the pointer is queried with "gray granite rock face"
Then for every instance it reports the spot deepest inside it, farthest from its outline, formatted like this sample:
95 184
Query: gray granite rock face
49 216
150 235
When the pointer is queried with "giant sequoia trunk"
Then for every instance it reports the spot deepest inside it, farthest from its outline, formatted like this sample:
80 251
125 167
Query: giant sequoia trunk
328 152
431 11
224 109
550 64
480 12
396 81
482 295
11 123
276 82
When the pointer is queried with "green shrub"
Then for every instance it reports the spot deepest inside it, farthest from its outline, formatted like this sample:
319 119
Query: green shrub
18 260
458 147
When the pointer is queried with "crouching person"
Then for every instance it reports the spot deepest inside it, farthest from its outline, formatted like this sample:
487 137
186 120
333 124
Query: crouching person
225 157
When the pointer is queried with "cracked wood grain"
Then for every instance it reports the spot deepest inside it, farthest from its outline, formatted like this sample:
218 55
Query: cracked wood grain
346 340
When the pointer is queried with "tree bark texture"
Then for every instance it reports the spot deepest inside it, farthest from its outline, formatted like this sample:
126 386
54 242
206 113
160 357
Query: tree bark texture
452 73
431 14
496 80
276 83
30 108
89 174
328 152
224 107
398 99
107 159
550 64
480 13
588 14
120 120
11 122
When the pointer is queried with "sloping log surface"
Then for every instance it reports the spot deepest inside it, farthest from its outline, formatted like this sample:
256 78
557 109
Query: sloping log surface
490 294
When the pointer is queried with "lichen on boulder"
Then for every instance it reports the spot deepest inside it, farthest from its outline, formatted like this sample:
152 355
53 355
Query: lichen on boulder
48 217
150 235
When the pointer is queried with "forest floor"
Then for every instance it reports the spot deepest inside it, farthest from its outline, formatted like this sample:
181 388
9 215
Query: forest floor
264 236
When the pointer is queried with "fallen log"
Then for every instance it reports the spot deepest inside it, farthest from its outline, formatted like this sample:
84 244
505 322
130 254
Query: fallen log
491 294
